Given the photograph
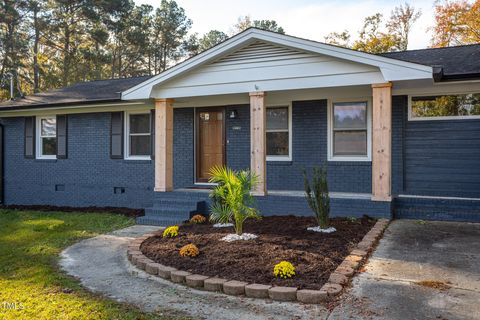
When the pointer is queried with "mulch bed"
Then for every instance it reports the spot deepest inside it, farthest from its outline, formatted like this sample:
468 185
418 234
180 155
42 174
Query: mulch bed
132 213
314 255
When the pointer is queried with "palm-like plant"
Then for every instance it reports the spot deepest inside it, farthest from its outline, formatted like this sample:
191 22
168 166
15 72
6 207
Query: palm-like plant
232 200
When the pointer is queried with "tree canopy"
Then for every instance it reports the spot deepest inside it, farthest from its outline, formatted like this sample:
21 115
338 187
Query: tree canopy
46 44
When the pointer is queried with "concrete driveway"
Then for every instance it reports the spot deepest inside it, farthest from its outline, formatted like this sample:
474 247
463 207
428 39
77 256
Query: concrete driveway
420 270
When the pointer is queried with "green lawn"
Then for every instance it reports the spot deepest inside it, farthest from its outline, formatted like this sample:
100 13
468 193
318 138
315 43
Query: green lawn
31 284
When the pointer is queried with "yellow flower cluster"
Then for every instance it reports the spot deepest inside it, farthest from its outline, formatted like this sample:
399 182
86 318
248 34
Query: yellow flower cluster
198 219
284 270
190 250
170 232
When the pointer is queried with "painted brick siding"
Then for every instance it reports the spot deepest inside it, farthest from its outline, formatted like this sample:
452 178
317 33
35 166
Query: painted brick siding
339 207
309 122
309 143
309 135
183 147
399 114
238 138
88 175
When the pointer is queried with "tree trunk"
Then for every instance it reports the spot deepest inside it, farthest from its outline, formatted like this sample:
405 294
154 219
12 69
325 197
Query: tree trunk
66 56
36 67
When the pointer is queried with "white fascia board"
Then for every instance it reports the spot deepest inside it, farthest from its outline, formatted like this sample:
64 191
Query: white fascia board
145 87
392 69
388 66
340 80
74 109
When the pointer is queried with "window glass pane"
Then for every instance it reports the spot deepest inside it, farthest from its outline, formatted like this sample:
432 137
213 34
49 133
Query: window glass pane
350 143
446 106
277 118
350 115
49 146
140 123
139 145
48 126
277 143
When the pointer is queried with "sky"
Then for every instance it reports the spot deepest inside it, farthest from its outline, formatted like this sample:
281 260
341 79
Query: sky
302 18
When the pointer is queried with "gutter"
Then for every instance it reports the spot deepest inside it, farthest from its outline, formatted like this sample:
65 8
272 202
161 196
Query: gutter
58 105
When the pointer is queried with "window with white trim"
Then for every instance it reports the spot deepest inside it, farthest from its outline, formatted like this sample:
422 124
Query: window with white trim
454 106
349 131
47 137
138 135
278 133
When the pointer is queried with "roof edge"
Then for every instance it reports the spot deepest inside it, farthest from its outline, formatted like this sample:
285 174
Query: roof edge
253 34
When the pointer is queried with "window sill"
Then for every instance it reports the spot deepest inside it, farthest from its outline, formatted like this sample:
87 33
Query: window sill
278 158
46 160
349 159
279 162
349 163
138 160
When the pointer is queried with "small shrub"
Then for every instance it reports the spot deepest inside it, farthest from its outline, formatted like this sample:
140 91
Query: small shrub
190 250
198 219
284 270
170 232
317 196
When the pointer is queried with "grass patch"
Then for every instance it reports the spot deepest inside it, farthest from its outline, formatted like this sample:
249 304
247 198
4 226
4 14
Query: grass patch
32 286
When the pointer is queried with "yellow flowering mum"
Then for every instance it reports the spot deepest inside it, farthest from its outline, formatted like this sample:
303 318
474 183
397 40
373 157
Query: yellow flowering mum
198 219
190 250
284 270
170 232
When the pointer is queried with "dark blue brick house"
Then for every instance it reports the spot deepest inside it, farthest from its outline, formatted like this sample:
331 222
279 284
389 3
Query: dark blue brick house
399 133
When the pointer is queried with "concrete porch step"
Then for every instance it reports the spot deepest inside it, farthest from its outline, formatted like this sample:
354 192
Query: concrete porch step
169 211
158 221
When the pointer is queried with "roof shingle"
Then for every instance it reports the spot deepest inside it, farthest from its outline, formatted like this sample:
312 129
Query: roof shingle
82 92
456 62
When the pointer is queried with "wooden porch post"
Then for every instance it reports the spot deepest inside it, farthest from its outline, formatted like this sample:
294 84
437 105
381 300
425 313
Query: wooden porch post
382 142
163 145
258 164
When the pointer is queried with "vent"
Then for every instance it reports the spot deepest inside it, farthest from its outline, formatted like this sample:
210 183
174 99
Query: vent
262 50
118 190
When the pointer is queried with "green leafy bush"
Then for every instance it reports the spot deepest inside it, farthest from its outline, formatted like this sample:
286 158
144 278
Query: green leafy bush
317 195
232 201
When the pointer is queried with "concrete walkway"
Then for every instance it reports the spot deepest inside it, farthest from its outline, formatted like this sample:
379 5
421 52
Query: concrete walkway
443 253
101 265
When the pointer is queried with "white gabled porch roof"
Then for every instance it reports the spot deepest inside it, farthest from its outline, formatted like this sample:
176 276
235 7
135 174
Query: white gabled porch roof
258 60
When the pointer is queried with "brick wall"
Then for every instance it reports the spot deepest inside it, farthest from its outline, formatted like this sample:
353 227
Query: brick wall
183 147
309 122
399 115
87 177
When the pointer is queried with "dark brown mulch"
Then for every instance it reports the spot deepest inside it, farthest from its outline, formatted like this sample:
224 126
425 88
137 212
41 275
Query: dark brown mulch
315 255
133 213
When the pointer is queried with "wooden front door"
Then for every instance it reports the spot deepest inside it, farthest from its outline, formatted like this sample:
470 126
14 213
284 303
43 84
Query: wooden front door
210 141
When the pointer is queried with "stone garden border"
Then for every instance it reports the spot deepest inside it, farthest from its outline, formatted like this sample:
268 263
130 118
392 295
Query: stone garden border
334 286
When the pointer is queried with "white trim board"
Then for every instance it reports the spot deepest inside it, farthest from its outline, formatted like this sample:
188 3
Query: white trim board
126 134
93 108
289 157
391 69
410 117
38 138
436 197
330 156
